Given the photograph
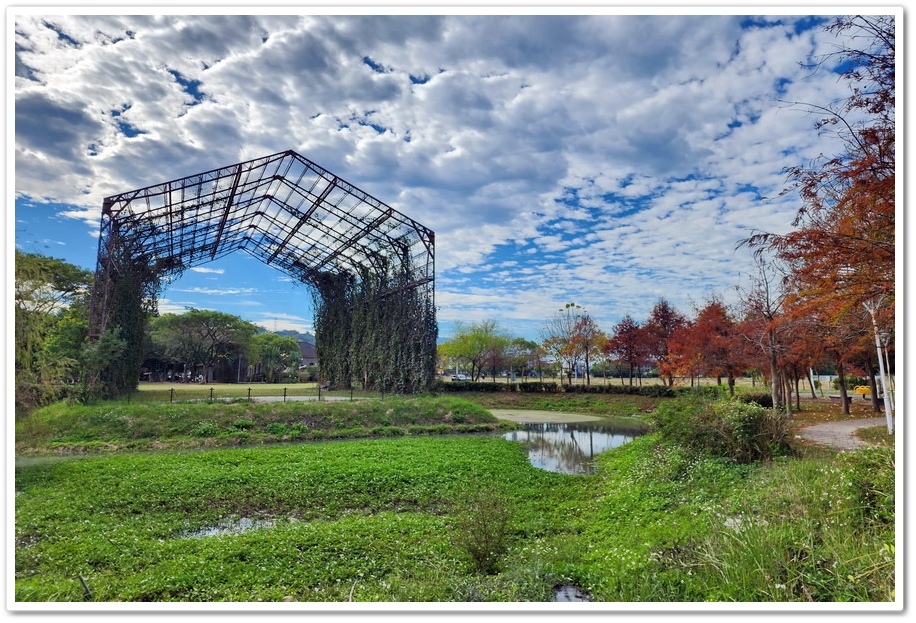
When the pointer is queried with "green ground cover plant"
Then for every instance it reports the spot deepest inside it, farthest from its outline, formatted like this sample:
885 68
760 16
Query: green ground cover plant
371 517
457 518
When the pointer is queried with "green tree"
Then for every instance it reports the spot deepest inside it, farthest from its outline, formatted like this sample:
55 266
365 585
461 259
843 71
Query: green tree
200 338
522 356
45 290
275 354
480 346
591 339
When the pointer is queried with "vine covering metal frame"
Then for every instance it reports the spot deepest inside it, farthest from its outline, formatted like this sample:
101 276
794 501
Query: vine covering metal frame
283 209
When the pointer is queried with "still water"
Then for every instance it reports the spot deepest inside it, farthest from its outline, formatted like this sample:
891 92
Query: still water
570 448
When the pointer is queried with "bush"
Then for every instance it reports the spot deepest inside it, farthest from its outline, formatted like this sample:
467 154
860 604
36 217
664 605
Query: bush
476 386
654 391
206 429
537 387
736 430
480 527
277 428
308 375
387 431
710 392
850 381
758 398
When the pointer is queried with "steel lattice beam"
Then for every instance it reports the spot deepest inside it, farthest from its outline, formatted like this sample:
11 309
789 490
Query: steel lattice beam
283 209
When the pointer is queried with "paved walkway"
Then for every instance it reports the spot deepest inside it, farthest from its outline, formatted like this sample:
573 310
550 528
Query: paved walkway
841 434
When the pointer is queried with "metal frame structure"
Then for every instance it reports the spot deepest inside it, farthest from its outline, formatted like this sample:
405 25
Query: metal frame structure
283 209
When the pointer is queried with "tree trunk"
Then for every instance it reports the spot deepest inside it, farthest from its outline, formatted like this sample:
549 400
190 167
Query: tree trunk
843 394
788 384
873 384
774 372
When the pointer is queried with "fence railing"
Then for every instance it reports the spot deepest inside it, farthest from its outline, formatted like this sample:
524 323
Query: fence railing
255 392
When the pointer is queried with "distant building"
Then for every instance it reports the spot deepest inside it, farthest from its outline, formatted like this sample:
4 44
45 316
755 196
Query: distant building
309 354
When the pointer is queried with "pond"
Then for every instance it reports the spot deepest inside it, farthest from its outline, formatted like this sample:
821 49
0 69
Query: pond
571 442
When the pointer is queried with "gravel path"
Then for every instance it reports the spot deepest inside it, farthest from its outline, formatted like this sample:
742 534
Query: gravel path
840 435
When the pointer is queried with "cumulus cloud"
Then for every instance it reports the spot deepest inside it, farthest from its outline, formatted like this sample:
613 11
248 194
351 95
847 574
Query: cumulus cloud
611 157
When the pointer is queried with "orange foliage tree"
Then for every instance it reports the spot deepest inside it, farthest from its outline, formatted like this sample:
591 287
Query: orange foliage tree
628 344
844 244
663 321
843 247
708 345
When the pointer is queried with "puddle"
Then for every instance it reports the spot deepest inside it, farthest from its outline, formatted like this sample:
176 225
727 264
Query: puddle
571 447
230 525
569 593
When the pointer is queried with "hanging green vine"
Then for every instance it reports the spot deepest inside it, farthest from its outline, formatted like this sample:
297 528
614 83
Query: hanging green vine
132 296
376 328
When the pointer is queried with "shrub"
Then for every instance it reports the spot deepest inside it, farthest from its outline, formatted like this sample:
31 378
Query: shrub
243 424
655 391
476 386
308 375
206 429
480 527
740 431
703 391
277 428
537 387
762 399
850 381
299 430
387 431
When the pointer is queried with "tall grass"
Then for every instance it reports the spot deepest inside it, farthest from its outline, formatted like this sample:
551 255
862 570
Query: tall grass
809 531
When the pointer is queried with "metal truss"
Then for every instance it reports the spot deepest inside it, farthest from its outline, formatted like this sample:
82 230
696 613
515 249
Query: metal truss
283 209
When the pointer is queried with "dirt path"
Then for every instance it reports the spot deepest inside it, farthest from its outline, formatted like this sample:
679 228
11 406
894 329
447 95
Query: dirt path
527 415
842 434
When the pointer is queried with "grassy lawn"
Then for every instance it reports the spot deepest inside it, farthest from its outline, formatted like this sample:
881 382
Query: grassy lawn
177 392
131 425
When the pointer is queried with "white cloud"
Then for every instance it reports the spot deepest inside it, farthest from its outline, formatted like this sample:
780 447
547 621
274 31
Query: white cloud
280 321
611 170
211 271
216 291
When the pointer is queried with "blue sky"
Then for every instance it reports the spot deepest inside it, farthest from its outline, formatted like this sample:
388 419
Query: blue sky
604 159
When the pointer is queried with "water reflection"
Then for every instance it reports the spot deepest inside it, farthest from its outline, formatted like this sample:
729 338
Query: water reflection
229 525
570 448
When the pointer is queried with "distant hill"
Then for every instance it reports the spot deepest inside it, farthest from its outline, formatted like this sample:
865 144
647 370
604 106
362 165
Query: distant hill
300 337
